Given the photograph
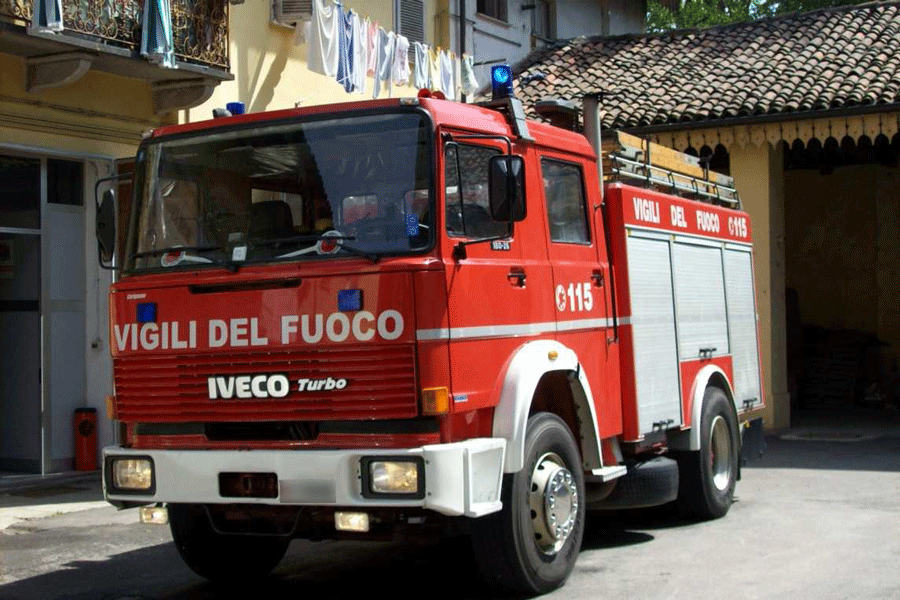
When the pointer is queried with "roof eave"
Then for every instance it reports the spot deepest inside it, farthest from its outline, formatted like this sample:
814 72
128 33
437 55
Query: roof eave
864 109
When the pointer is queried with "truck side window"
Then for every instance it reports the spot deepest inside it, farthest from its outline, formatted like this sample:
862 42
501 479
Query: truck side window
470 217
566 210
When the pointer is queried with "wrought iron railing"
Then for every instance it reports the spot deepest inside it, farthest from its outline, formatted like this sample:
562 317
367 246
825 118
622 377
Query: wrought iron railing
17 9
199 27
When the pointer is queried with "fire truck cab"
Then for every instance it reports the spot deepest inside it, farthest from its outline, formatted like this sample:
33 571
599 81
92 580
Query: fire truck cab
417 316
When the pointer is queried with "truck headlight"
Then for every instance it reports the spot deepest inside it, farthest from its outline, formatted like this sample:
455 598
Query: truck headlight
394 476
131 474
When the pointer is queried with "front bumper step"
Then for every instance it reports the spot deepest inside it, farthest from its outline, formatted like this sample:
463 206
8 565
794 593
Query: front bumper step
461 478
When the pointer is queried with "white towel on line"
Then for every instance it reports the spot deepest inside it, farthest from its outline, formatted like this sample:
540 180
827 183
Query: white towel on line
323 38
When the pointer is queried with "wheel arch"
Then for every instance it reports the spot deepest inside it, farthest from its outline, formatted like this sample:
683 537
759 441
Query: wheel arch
708 376
531 365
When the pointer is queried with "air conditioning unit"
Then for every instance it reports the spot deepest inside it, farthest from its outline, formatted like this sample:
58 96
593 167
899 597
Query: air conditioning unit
292 11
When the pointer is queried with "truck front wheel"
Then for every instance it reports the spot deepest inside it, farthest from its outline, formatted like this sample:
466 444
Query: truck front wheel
532 543
707 478
221 557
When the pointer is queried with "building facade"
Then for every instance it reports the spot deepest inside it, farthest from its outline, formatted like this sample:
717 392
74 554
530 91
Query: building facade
75 94
506 31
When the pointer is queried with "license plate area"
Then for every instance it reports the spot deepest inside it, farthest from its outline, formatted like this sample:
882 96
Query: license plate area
248 485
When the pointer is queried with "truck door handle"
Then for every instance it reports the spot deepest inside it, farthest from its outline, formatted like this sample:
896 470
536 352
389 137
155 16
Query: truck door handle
516 277
597 278
706 352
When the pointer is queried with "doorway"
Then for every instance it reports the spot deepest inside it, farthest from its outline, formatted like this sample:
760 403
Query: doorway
42 310
20 314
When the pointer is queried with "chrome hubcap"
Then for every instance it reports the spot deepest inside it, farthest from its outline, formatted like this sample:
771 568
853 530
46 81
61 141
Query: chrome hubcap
720 453
553 499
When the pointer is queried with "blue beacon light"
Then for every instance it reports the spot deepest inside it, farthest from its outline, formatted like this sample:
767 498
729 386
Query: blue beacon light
349 300
146 312
501 82
236 108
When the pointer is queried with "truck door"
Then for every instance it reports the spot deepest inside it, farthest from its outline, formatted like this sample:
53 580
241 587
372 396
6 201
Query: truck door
580 278
497 299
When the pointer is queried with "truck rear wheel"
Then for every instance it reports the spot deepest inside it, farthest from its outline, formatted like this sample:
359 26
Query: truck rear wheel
707 477
220 557
532 543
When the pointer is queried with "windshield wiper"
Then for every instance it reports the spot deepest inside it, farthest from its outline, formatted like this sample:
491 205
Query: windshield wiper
300 238
159 251
330 236
372 256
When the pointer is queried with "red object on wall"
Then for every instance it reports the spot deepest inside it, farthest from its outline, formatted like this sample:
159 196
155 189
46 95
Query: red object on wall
84 426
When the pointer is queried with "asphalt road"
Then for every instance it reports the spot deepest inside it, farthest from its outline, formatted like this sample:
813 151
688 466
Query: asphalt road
812 519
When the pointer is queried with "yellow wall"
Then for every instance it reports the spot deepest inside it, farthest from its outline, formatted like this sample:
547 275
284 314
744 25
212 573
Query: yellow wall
843 251
758 175
99 113
270 71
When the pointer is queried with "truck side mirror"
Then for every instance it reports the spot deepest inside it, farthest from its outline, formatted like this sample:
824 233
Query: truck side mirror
106 227
506 187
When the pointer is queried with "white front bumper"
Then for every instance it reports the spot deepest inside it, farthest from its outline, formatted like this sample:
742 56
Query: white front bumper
462 478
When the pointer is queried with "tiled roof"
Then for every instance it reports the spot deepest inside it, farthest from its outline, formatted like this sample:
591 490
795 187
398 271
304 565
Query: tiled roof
819 60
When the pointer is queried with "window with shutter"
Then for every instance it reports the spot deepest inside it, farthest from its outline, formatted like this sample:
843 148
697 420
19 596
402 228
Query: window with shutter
410 20
492 8
291 11
540 20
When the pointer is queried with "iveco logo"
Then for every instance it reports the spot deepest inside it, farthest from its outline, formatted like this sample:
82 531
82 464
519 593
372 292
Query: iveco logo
248 386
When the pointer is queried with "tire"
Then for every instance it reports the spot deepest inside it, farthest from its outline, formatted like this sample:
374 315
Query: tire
707 478
219 557
531 545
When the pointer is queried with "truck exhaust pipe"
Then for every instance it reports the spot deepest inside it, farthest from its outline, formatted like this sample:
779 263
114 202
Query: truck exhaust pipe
591 115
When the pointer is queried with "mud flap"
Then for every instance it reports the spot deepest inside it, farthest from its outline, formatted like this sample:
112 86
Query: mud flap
753 442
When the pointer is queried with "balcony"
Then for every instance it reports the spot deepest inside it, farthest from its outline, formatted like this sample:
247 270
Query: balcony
105 35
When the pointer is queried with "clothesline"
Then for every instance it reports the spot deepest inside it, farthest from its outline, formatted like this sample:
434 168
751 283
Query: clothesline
350 48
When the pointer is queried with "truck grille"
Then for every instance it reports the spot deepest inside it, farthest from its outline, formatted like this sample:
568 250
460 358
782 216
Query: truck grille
381 384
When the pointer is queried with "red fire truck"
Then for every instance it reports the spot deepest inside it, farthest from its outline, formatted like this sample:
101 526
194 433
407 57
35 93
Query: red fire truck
411 316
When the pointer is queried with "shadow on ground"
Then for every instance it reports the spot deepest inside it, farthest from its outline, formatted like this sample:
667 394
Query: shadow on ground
57 494
878 453
840 439
310 570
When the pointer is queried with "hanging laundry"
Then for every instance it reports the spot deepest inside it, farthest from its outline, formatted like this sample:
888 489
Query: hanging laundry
386 54
469 84
420 52
360 52
434 69
302 32
400 70
345 53
445 70
457 79
372 44
323 38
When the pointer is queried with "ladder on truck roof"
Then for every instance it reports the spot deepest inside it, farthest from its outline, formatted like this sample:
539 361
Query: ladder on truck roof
630 159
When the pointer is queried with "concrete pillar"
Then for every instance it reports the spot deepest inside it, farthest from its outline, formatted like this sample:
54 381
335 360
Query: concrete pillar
759 177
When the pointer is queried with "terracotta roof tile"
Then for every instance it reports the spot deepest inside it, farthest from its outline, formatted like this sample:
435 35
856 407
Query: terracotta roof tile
825 59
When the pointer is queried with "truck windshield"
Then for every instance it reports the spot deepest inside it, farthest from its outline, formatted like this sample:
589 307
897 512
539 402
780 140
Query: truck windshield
337 187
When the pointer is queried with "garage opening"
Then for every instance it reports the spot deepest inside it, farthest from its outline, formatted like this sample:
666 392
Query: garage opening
842 254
